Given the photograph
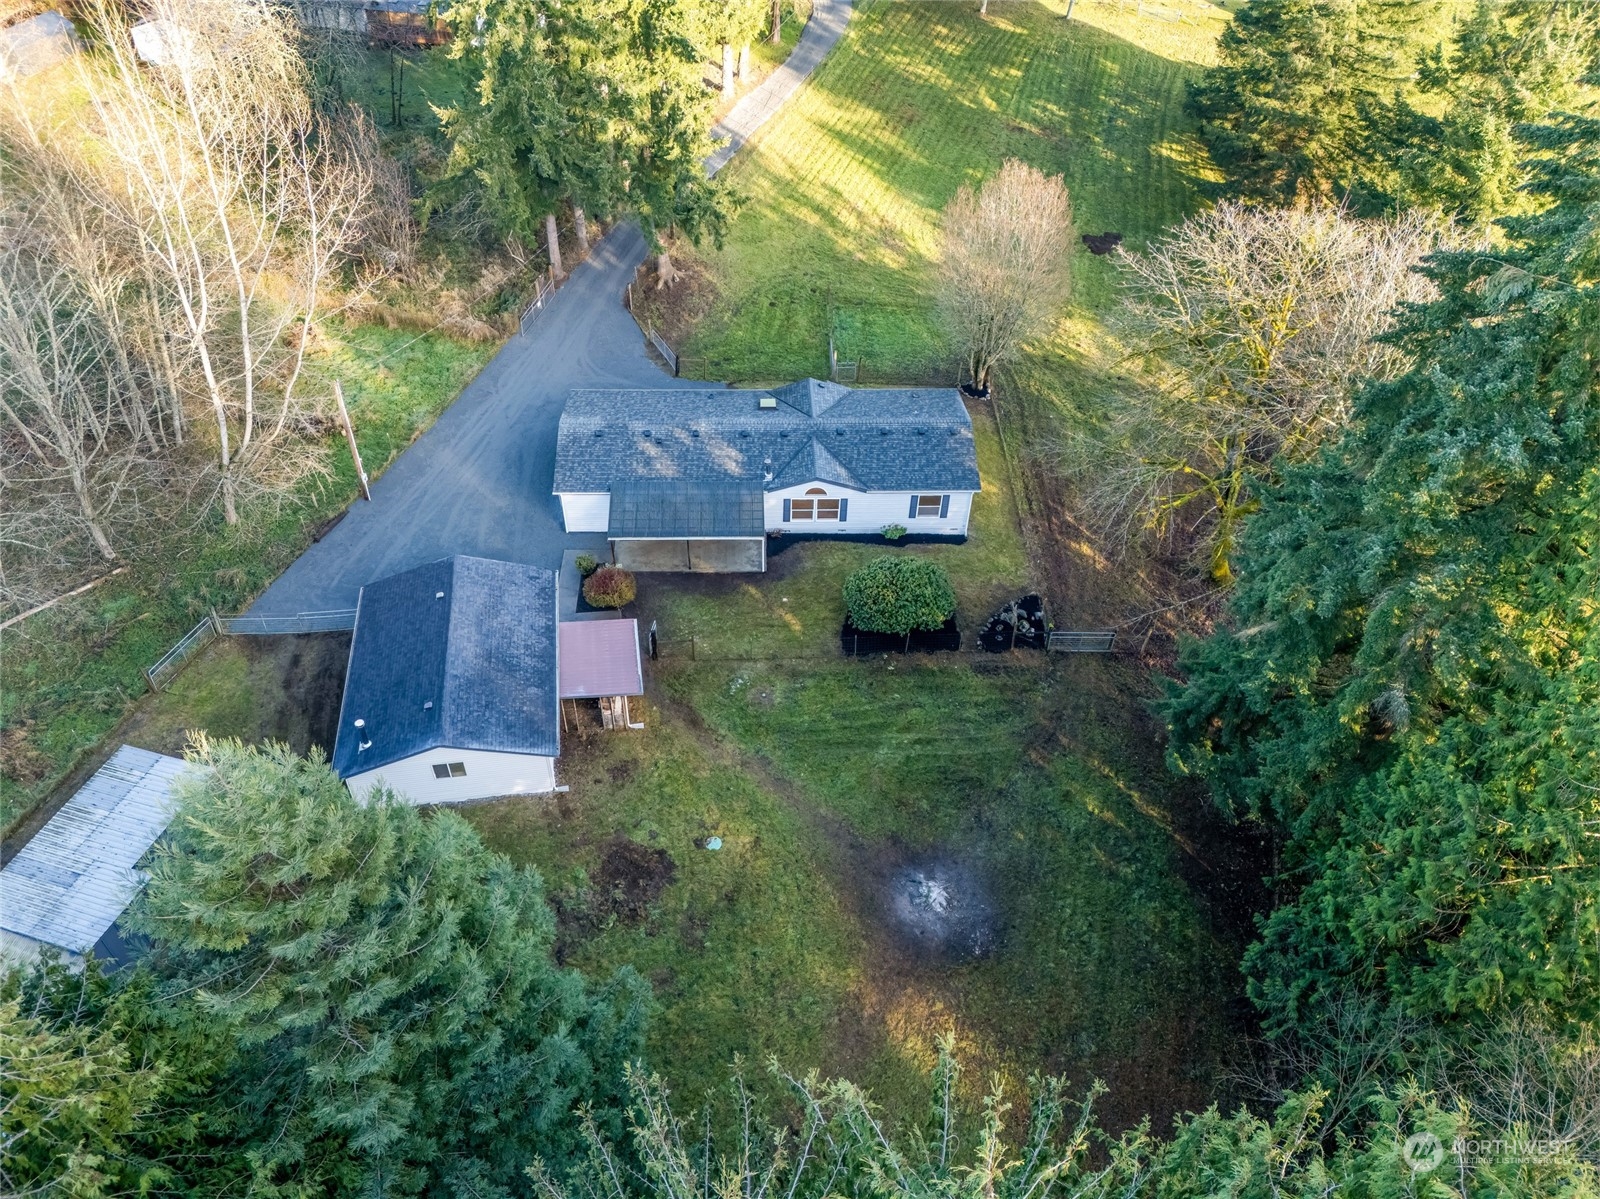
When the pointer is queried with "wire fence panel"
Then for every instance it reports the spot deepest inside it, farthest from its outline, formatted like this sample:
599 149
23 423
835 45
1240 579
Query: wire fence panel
336 620
1093 641
171 662
541 292
662 348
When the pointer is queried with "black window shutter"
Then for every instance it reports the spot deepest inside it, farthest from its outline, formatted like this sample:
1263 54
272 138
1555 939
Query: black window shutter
844 510
785 511
944 506
913 513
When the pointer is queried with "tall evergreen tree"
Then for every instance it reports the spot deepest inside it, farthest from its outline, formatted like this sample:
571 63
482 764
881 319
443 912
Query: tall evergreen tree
1284 110
387 981
1410 689
599 103
1509 62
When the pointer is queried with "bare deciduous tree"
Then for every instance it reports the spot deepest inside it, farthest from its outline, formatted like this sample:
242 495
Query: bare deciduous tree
240 198
1252 327
1004 273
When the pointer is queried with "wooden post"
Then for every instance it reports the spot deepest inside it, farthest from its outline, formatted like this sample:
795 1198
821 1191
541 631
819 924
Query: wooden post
350 436
1146 640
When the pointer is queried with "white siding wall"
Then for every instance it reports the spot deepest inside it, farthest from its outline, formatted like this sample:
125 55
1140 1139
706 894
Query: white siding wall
869 512
488 775
586 512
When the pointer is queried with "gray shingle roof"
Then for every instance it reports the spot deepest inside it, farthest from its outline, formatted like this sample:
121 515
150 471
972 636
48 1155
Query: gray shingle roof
459 653
868 439
674 508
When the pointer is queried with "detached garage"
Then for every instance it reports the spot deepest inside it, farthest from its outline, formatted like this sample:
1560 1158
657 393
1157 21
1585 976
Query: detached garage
451 693
671 525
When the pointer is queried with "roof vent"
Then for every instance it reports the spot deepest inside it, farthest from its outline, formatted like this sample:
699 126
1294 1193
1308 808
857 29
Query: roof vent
363 743
694 432
767 402
427 705
883 432
599 432
438 595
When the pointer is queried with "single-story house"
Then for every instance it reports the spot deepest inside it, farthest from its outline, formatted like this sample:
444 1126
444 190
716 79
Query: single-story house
457 674
69 885
451 689
696 479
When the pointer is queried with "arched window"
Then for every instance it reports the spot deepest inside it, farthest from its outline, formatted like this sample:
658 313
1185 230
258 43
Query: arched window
810 509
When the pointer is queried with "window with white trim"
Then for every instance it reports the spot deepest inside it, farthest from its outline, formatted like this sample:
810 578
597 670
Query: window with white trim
930 505
449 770
818 508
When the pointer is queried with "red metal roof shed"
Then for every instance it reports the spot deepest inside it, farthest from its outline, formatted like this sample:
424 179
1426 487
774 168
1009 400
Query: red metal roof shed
599 658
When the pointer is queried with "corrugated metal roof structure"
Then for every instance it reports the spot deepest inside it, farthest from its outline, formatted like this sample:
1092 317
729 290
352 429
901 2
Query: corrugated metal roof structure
651 508
68 885
35 45
459 653
869 439
600 658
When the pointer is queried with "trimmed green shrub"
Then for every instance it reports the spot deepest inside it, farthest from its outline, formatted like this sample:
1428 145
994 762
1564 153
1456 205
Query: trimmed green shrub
893 532
586 564
899 594
609 587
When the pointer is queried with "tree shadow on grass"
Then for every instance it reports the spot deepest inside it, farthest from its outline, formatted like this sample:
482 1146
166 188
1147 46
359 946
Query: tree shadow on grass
845 189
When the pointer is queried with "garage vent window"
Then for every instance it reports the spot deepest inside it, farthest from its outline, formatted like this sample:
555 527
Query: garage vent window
450 770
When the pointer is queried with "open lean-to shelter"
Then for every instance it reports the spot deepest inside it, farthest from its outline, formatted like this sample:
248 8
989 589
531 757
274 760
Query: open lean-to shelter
68 886
696 479
456 679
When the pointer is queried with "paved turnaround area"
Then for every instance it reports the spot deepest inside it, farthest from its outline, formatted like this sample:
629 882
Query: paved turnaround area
478 482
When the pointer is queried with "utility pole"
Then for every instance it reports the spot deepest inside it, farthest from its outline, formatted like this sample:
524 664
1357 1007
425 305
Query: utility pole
350 436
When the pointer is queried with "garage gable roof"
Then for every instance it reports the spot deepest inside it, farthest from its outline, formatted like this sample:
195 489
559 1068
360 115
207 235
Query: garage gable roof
869 439
460 653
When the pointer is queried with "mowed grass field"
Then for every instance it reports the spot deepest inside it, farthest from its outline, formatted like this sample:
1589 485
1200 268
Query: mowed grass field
1119 906
843 190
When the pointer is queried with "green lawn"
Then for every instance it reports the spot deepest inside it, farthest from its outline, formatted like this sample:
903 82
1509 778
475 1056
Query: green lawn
71 673
843 191
822 774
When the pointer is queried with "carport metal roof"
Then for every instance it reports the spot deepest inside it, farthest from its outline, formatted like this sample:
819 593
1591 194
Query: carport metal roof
663 509
70 883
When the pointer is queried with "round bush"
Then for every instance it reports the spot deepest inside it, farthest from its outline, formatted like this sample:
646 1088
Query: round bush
586 564
899 594
609 587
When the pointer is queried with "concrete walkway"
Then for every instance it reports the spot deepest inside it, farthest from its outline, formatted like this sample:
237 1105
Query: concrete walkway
822 32
479 481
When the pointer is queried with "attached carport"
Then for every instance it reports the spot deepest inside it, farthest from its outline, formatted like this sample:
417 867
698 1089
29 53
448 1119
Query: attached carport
665 525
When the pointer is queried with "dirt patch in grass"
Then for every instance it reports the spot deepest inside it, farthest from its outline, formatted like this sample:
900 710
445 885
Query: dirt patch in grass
257 689
624 889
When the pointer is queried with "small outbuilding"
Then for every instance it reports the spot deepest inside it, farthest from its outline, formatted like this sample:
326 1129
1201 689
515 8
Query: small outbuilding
36 45
68 886
452 689
601 662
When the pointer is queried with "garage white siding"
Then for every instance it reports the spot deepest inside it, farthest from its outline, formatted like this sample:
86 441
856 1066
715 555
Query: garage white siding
488 775
870 512
586 512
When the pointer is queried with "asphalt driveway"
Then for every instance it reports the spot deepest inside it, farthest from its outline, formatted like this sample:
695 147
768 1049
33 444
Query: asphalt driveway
479 481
